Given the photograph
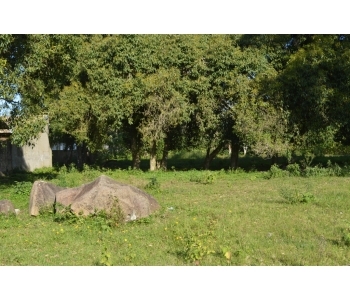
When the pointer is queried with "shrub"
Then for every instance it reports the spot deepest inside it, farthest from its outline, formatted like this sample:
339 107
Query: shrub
334 169
293 169
276 172
315 171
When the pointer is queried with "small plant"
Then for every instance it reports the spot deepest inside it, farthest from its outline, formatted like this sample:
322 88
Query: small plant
64 214
73 168
196 246
346 236
196 249
46 210
153 184
101 221
227 254
22 188
307 198
105 258
86 168
295 196
105 220
145 220
63 170
204 178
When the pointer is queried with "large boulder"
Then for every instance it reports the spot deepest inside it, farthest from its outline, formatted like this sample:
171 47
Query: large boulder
42 195
6 207
103 193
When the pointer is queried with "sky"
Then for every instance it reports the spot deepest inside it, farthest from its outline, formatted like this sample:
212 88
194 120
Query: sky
181 16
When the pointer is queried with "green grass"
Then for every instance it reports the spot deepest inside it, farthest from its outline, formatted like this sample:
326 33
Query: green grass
207 218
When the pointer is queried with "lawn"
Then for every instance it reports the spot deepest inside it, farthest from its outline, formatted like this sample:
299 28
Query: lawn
207 218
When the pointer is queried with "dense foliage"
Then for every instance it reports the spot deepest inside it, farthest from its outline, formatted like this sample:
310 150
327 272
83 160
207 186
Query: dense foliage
155 93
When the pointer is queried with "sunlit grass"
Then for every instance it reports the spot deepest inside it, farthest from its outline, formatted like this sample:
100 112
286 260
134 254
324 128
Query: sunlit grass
232 218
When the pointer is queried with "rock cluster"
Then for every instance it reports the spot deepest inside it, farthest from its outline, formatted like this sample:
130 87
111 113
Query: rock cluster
101 194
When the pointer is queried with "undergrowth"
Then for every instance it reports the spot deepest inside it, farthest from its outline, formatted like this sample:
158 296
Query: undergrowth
296 170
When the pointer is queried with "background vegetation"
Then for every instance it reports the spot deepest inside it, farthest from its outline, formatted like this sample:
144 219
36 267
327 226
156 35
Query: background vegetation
146 95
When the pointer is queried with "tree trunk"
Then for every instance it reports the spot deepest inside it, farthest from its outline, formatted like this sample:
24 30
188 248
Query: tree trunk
234 156
81 155
164 161
153 157
135 152
210 156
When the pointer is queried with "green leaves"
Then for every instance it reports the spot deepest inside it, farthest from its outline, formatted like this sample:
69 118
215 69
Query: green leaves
26 129
275 92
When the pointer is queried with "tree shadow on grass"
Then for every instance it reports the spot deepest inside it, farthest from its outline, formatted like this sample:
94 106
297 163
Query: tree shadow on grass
21 176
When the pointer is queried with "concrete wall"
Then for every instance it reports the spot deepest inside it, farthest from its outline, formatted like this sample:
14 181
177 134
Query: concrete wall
38 155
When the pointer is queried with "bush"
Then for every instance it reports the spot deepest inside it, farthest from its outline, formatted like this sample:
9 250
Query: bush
294 169
334 169
276 172
315 171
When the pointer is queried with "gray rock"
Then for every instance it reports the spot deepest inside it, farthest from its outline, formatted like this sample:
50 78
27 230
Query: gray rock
6 207
105 192
42 195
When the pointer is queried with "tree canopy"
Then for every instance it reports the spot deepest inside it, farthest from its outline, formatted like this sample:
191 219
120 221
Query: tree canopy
155 93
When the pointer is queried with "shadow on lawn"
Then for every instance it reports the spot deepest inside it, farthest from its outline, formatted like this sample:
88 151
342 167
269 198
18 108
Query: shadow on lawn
21 176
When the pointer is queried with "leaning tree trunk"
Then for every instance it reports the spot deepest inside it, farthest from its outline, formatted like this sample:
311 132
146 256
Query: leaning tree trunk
234 156
153 157
210 156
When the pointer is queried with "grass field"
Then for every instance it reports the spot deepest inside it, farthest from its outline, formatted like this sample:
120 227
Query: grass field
212 218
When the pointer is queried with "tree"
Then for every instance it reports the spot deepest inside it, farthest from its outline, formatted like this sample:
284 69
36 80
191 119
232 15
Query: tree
314 88
226 76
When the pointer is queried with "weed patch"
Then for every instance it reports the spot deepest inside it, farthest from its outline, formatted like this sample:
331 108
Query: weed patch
22 188
305 170
105 258
205 177
345 237
294 196
153 184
